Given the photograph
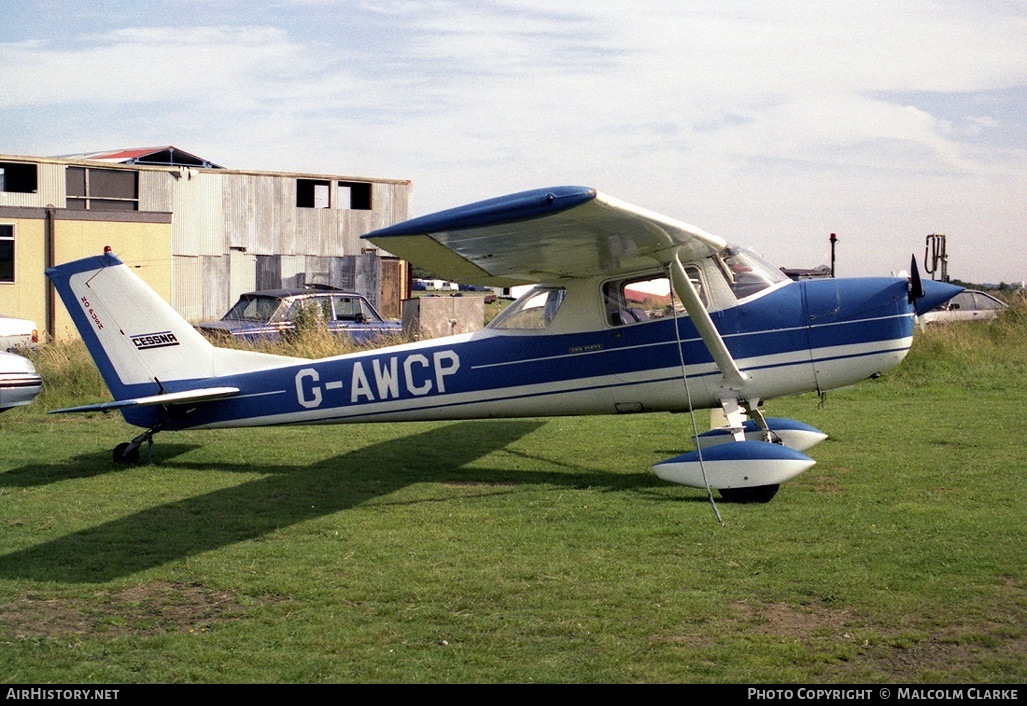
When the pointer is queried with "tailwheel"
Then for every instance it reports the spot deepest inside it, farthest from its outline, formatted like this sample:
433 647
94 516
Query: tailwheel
752 494
126 452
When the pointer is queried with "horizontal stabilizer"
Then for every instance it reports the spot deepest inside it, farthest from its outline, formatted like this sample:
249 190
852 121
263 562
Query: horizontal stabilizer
206 394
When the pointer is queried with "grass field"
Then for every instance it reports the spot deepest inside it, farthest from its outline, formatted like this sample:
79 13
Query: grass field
540 550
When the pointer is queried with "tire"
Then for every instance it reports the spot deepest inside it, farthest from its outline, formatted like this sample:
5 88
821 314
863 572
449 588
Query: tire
123 454
755 494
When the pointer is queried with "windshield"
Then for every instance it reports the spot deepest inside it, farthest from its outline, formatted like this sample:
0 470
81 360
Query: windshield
253 308
747 273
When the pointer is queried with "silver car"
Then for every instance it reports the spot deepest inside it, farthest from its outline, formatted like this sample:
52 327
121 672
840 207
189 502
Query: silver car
968 305
19 382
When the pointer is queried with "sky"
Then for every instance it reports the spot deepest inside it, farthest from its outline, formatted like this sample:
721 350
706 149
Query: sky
771 124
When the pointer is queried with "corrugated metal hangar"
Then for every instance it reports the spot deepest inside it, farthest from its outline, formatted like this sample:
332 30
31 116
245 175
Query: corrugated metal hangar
198 233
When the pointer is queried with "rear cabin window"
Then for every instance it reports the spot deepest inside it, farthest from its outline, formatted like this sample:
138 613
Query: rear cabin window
311 309
534 311
983 301
630 301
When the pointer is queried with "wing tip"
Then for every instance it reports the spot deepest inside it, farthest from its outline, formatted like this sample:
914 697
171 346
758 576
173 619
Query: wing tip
502 209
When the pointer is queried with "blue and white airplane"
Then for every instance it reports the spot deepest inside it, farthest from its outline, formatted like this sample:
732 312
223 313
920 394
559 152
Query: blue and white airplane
631 312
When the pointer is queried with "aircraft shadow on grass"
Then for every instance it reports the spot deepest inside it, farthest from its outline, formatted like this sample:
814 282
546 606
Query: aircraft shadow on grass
285 496
85 466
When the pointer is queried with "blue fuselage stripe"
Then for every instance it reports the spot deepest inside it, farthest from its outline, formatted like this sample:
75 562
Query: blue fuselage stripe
491 369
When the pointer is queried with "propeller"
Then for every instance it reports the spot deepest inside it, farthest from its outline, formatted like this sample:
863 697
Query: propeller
916 285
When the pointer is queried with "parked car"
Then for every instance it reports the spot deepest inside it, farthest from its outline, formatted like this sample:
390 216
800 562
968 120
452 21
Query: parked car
272 313
17 333
19 382
968 305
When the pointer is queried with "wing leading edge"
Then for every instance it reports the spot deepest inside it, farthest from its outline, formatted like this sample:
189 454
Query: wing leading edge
542 235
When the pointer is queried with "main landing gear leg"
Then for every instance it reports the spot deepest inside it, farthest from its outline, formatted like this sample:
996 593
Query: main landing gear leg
734 411
735 416
752 410
128 452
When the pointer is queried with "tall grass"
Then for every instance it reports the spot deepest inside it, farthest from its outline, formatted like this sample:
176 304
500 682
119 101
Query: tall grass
312 341
969 353
69 375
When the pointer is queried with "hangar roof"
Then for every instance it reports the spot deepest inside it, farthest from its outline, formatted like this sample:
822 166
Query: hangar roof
166 155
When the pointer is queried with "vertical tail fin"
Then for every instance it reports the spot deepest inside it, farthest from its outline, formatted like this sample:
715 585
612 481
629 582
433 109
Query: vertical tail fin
137 340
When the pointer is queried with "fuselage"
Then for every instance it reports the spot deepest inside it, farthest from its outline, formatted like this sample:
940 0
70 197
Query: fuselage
788 338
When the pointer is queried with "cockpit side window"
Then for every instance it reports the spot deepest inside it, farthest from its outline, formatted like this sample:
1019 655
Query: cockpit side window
534 311
630 301
746 272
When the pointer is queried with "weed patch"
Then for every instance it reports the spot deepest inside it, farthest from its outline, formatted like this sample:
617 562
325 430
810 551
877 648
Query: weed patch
142 610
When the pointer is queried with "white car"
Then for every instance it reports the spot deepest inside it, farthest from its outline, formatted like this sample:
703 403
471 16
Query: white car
19 382
968 305
17 333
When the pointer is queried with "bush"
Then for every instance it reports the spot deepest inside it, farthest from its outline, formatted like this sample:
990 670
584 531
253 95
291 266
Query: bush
965 352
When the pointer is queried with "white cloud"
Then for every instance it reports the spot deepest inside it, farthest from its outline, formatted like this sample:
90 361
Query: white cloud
153 65
746 116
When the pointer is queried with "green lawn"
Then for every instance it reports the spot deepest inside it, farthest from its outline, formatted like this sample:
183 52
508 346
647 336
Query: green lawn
540 550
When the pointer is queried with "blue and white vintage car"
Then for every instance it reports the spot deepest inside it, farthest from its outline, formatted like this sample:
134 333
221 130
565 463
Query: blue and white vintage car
269 314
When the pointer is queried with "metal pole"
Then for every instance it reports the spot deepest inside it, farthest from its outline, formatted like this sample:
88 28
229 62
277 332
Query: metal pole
49 257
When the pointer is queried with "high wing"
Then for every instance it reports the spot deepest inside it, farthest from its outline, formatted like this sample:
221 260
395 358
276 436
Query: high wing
565 231
542 235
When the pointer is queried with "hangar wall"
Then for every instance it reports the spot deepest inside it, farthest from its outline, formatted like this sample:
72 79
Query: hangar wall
199 235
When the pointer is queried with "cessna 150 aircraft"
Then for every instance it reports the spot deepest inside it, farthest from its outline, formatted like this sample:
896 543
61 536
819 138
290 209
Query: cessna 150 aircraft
632 312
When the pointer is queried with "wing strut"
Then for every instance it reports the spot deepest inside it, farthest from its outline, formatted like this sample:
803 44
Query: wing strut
734 379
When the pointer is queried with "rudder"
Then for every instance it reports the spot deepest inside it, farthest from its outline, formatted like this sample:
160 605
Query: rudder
145 350
137 339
